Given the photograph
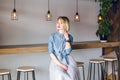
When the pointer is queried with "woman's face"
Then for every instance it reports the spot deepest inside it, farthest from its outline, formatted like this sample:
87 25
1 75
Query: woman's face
60 25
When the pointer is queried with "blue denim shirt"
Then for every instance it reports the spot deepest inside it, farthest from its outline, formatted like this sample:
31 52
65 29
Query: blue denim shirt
56 46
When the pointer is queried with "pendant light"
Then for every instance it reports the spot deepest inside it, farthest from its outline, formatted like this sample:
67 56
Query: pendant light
14 13
48 15
77 16
100 17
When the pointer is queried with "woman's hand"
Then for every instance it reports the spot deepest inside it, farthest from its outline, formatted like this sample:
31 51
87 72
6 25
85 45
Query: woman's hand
64 67
58 62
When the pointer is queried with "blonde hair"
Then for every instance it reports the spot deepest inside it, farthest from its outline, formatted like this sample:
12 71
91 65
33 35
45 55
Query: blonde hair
65 21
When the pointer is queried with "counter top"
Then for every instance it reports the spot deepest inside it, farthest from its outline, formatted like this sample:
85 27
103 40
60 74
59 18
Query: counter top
32 48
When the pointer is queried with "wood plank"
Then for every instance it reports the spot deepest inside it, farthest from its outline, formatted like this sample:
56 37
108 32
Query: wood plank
13 49
33 48
86 45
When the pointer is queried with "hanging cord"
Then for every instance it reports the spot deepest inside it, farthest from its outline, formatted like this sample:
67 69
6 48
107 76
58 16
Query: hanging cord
14 4
76 5
48 5
100 7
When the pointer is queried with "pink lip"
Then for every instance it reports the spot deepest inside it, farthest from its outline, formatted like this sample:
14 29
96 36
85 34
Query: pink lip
58 26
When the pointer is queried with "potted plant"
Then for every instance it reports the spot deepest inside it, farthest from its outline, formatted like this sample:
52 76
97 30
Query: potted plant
104 26
104 29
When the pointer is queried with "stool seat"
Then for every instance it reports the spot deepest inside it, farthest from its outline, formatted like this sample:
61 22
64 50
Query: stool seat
110 58
4 71
79 63
96 60
25 68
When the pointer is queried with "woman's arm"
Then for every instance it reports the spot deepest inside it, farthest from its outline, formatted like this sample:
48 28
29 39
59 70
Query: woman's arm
53 57
51 51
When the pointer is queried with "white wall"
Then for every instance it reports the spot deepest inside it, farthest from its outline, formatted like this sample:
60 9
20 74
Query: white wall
32 28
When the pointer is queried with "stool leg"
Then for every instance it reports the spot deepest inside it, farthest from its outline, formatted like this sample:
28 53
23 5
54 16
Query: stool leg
18 75
102 72
113 70
89 71
106 70
2 77
9 76
94 71
27 75
33 74
24 75
98 72
83 73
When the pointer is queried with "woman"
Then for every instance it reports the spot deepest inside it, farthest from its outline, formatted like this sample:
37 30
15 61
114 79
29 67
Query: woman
62 66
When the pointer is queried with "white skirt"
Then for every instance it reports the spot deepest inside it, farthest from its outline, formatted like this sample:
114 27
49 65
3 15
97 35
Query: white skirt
58 73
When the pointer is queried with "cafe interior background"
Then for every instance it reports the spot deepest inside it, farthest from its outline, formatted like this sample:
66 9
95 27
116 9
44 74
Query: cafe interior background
31 27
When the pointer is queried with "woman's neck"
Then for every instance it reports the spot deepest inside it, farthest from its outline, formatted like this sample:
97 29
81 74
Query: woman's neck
61 31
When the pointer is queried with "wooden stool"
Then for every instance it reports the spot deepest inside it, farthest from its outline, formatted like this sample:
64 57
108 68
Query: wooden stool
95 64
4 72
25 69
112 60
81 64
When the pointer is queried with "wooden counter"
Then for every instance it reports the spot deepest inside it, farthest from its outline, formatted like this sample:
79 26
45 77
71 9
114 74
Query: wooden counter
14 49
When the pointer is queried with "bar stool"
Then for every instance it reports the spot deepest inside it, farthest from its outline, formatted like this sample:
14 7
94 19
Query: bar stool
112 61
81 64
25 69
96 64
4 72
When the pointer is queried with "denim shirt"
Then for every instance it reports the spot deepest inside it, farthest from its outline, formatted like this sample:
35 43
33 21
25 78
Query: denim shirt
56 46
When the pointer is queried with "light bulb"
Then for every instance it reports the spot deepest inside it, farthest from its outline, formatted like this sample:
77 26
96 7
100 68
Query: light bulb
77 17
100 18
48 16
14 15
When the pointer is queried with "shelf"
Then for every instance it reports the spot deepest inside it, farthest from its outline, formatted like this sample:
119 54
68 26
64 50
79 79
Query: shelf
33 48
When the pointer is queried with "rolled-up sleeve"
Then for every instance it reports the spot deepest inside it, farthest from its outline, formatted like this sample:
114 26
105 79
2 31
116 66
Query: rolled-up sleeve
50 45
